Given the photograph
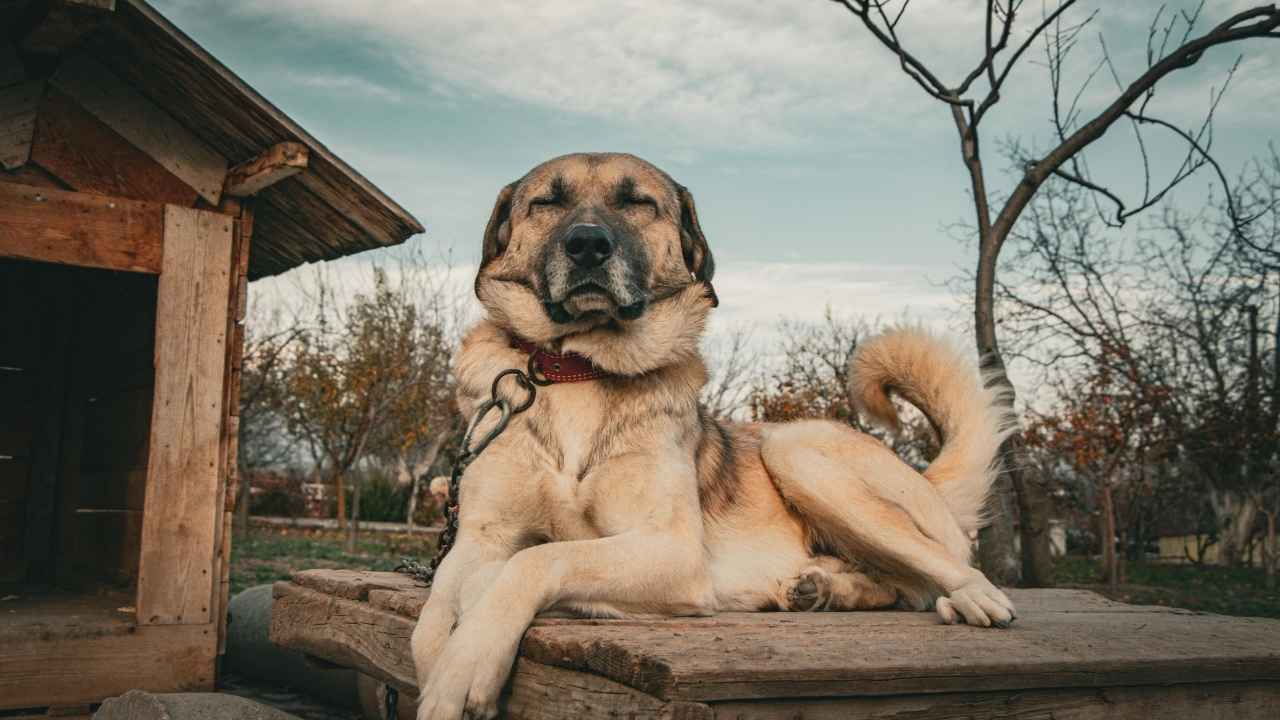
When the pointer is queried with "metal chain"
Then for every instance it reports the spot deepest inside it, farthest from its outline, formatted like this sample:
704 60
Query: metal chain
529 380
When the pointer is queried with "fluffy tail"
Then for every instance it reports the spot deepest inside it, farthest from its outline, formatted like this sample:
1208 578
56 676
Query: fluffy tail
970 418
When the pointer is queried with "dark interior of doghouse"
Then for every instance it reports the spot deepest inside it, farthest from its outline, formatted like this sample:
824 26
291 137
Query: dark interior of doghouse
76 379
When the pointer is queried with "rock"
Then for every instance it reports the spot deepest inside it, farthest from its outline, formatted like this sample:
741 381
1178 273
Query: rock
254 660
142 705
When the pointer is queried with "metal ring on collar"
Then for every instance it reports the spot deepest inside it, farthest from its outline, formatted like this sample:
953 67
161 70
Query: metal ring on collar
523 381
535 374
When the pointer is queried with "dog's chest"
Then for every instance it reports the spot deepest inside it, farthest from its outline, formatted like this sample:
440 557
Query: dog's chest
570 430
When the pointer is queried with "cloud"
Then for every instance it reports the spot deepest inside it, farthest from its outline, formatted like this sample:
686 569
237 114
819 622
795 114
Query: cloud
333 83
760 293
760 75
752 294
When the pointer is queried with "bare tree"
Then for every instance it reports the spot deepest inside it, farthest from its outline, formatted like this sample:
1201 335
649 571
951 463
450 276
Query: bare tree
969 99
349 376
264 441
731 364
1176 316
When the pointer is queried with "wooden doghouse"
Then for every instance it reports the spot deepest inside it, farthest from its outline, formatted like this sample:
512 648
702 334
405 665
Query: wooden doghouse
143 184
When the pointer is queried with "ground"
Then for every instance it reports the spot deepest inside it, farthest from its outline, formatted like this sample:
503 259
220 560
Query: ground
1207 588
265 556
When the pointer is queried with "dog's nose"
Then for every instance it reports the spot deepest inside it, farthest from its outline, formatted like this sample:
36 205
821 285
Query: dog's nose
588 245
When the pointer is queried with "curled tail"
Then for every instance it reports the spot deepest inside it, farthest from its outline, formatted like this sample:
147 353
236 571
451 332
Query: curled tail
970 417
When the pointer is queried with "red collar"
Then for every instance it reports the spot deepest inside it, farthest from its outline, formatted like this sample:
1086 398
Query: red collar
560 368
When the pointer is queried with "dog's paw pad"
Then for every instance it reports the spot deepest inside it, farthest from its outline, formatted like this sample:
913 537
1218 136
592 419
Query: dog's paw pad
809 591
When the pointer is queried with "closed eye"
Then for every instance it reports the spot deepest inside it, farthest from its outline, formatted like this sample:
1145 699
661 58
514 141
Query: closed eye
627 195
557 195
640 200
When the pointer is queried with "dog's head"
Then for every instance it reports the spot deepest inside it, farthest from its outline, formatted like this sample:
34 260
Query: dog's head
602 255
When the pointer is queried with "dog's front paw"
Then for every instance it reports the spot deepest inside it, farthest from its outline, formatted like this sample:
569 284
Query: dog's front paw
467 679
977 602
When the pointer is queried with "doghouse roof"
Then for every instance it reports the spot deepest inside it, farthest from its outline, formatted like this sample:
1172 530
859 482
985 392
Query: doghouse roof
326 211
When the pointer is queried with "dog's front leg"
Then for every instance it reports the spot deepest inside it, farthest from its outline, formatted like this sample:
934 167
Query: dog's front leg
460 581
649 572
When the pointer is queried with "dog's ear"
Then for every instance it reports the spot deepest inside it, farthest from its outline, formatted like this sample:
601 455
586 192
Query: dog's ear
498 232
697 254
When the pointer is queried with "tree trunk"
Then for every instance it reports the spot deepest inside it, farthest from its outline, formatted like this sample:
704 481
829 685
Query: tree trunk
419 469
996 552
997 556
340 487
1035 510
414 488
1269 556
1109 565
353 526
1236 517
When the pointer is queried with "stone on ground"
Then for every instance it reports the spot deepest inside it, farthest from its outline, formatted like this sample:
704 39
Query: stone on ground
142 705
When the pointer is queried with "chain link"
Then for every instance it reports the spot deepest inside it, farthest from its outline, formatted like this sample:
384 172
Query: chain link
529 381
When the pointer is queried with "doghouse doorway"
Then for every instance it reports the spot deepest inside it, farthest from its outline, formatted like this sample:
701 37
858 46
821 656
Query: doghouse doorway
77 382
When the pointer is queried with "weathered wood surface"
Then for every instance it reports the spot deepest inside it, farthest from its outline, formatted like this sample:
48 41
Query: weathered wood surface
1070 650
178 574
328 211
18 105
1208 701
73 228
64 23
280 161
11 66
87 155
59 663
144 124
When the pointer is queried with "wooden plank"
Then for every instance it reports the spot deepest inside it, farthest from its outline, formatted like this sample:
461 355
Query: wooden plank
143 124
31 176
177 574
345 632
1209 701
85 154
376 642
351 584
542 692
71 228
51 669
734 656
233 469
46 455
276 163
106 547
229 439
18 105
117 427
1062 639
222 590
69 486
123 489
12 70
65 23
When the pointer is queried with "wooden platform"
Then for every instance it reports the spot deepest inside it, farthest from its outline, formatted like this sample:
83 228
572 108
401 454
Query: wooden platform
1072 654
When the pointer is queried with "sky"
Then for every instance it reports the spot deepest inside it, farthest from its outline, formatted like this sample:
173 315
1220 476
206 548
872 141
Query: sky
823 175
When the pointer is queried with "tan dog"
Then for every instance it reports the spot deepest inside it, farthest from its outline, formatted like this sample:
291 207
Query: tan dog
619 496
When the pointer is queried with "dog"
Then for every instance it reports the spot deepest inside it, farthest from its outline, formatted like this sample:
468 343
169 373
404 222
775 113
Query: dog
616 495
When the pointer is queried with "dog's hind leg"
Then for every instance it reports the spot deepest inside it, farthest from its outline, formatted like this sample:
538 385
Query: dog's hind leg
867 505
